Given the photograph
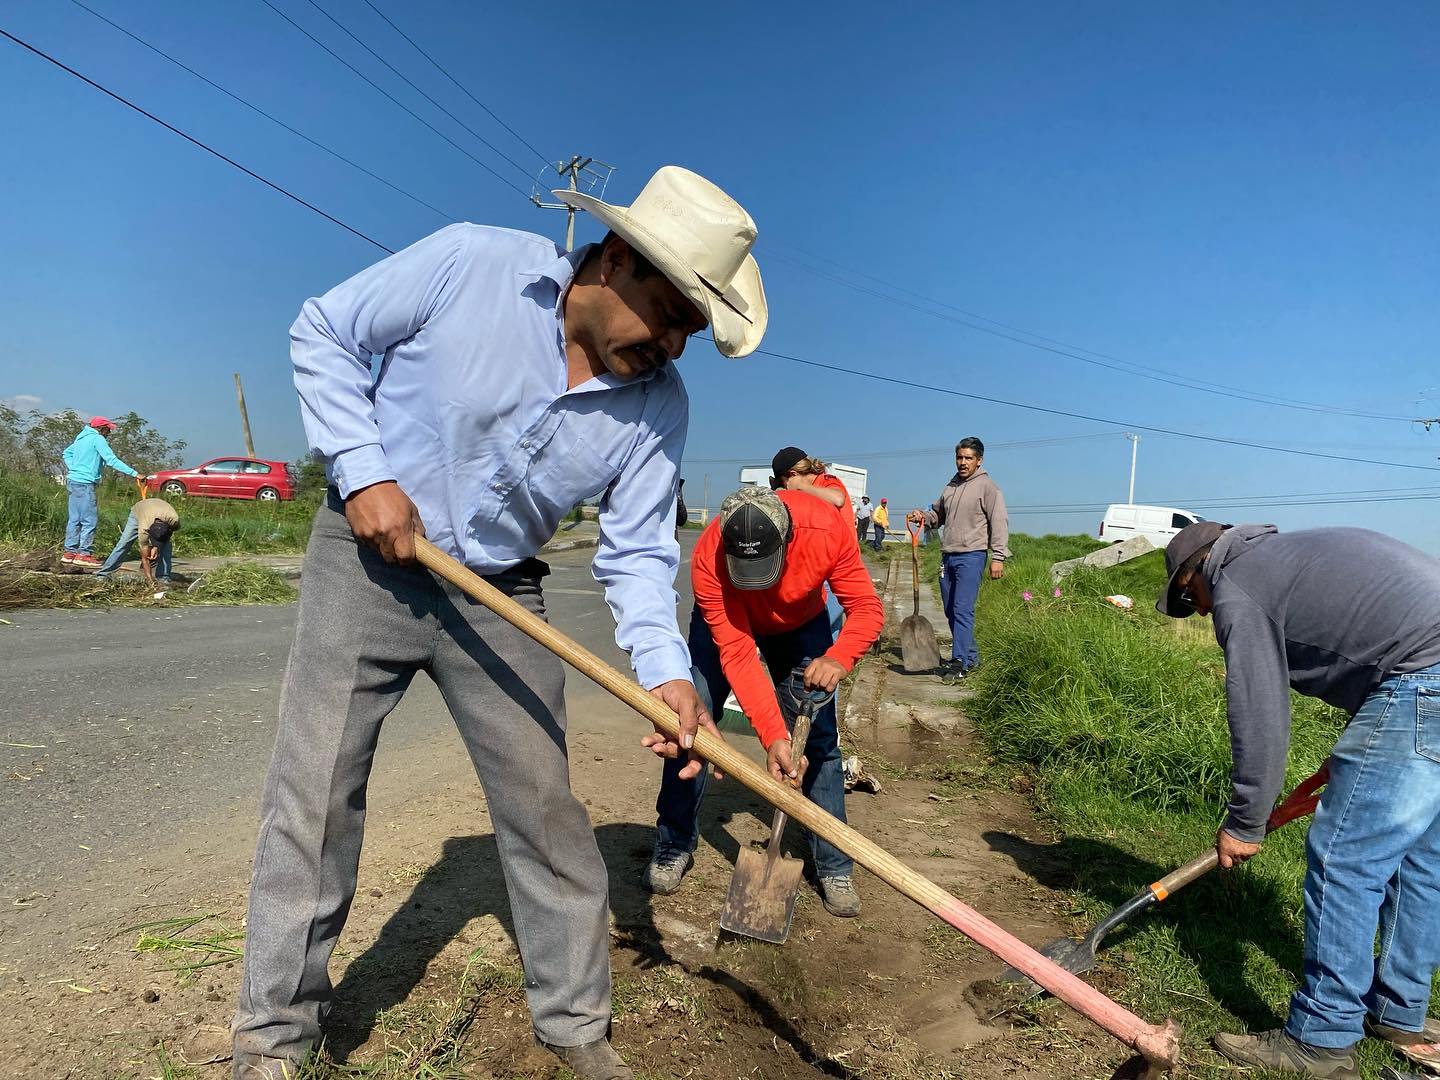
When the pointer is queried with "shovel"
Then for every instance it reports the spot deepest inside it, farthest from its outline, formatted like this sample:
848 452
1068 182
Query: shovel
1079 957
1159 1044
761 900
919 650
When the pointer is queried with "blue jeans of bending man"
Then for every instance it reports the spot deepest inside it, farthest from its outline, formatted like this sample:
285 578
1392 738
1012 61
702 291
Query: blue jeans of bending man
121 552
1373 862
960 574
678 806
879 539
84 516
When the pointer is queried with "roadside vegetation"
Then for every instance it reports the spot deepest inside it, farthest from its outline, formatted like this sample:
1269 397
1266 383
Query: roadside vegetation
33 510
1116 721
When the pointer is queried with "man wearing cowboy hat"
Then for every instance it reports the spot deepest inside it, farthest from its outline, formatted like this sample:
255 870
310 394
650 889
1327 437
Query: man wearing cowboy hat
518 380
84 459
1353 618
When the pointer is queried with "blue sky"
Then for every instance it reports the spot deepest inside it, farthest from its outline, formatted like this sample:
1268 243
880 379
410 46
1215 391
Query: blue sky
1242 194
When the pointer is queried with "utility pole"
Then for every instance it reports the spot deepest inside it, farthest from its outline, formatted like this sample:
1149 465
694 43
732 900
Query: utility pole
1134 450
244 416
577 171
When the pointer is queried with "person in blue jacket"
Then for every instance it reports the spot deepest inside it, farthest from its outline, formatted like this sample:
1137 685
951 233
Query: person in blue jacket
83 459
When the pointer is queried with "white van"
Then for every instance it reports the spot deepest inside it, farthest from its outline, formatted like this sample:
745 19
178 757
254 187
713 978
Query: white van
1156 523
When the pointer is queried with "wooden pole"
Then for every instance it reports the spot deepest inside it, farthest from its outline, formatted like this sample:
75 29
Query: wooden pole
244 416
1159 1045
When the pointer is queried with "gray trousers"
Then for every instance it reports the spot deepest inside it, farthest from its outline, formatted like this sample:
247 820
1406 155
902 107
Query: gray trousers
365 629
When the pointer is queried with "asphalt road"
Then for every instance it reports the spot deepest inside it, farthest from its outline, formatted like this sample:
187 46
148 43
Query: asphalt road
123 729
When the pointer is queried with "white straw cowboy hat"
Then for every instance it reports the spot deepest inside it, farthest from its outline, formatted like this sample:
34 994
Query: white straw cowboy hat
699 238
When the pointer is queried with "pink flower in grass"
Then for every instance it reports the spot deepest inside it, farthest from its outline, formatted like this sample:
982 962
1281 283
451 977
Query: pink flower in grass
1027 596
1057 594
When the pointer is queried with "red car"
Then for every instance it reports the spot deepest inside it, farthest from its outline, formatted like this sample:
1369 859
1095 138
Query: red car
227 478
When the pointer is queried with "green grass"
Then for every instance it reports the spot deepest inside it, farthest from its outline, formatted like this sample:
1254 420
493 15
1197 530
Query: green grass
1119 719
234 583
33 512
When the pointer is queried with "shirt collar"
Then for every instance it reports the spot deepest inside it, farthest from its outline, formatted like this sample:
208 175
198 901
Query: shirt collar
560 270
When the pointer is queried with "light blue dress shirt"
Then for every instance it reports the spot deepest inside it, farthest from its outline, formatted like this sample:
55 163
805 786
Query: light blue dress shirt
470 414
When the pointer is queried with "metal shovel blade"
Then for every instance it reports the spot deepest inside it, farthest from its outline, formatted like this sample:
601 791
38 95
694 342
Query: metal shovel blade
919 650
761 900
1076 957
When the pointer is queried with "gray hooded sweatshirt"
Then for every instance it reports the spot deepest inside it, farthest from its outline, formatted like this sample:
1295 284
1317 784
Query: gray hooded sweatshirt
1331 612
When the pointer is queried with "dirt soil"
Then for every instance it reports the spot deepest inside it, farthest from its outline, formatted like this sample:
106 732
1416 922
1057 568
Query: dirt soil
891 994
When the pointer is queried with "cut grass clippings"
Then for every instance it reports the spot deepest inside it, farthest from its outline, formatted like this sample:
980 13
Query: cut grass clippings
243 582
1120 721
194 952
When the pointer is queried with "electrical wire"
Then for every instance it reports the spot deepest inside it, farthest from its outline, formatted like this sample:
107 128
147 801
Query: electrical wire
273 119
401 76
395 101
1109 421
464 89
918 451
1223 505
191 139
1074 352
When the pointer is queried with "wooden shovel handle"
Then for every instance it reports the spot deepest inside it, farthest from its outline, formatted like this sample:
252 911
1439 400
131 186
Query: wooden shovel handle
1300 802
1159 1044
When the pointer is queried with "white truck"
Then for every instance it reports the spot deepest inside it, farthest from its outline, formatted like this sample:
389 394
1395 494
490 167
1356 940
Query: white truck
1156 523
852 476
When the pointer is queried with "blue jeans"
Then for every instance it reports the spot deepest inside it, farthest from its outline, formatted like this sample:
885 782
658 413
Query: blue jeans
678 805
84 516
960 574
121 552
1373 861
879 537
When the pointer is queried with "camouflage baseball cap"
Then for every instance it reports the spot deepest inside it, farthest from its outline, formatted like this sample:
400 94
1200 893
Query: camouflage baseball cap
754 529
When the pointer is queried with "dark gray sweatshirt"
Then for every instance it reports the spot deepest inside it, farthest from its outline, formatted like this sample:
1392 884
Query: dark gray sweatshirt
1331 612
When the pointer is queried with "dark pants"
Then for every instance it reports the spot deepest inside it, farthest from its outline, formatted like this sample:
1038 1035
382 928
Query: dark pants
862 529
879 537
678 805
960 574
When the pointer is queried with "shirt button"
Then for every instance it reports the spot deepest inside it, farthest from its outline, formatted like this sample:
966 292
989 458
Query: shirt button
498 487
524 444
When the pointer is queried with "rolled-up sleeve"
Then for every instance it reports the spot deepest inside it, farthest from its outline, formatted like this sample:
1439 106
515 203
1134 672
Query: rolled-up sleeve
335 335
638 554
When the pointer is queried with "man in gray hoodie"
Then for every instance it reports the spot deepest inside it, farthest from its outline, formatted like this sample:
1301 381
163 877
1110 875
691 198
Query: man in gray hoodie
1353 618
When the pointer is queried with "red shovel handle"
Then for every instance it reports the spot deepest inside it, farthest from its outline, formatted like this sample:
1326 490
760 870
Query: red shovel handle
914 533
1301 801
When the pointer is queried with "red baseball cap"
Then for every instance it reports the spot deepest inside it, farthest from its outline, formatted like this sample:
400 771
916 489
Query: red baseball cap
100 421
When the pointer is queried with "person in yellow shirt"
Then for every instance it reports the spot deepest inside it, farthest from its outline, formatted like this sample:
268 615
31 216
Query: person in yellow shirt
881 521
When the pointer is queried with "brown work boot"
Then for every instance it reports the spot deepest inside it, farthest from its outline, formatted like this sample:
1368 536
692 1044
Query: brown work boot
1278 1051
1422 1047
593 1060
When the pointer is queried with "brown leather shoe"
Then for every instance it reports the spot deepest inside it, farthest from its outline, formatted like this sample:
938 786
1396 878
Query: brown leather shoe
593 1060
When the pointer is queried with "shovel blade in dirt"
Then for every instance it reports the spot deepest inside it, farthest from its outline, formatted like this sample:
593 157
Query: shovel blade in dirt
761 900
1078 957
919 650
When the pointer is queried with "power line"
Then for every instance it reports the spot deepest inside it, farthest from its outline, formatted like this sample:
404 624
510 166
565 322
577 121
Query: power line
1354 494
1101 507
1074 352
191 139
395 101
919 451
400 75
465 90
1092 419
273 119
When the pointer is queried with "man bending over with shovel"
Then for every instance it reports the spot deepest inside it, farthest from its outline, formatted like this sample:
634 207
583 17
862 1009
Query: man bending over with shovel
1353 618
766 591
518 380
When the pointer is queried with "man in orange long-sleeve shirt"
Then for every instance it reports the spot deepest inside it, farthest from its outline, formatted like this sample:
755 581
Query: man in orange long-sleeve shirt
758 572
